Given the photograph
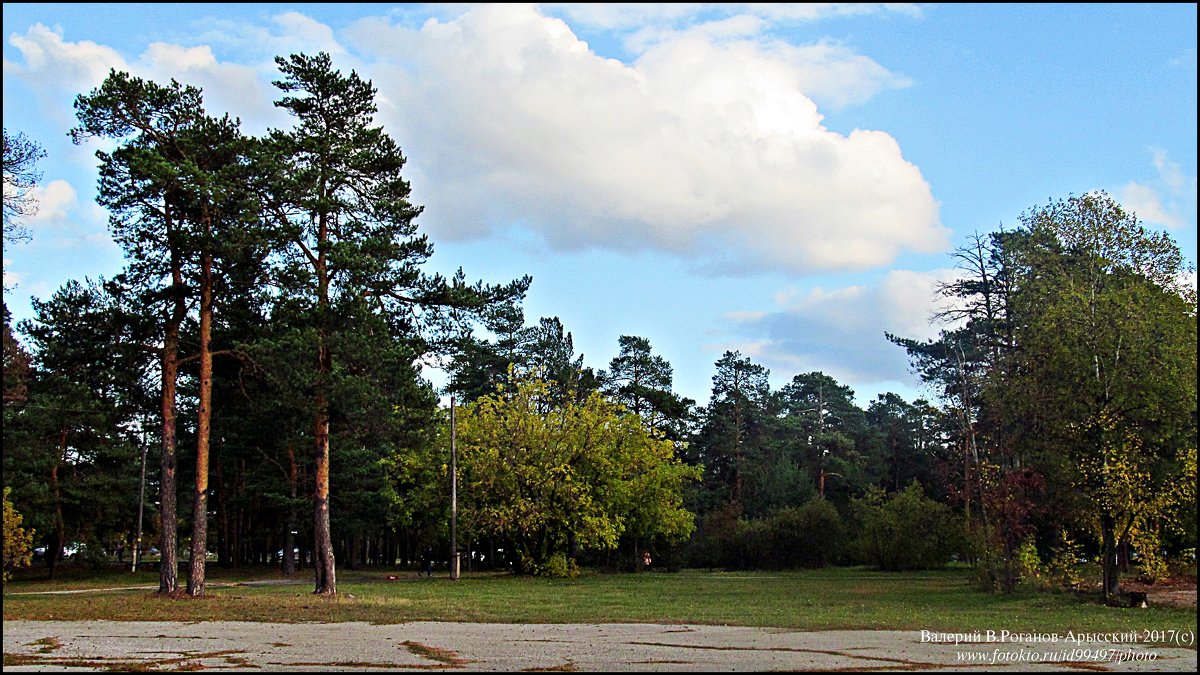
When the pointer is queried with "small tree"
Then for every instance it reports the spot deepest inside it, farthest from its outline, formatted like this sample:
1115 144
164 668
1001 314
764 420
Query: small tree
906 530
18 541
556 477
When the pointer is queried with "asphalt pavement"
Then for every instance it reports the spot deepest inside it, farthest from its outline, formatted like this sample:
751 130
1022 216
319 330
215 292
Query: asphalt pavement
48 646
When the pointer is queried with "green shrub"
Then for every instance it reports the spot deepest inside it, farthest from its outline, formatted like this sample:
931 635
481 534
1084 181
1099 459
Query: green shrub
558 566
809 536
92 556
1030 572
904 531
717 542
1065 558
753 544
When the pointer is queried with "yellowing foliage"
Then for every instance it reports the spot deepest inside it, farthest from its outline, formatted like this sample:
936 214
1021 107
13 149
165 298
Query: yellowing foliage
18 542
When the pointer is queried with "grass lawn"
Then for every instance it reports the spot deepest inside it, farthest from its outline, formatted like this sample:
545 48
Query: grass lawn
834 598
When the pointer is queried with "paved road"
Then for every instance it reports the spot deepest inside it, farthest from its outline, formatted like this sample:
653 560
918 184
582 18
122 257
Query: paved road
231 645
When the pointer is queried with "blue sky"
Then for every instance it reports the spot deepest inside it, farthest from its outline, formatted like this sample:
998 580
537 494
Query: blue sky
784 180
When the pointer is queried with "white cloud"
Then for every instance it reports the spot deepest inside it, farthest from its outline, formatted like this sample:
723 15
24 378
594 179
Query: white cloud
840 331
1162 200
56 200
58 70
741 316
313 35
1147 204
228 87
709 146
50 59
616 16
700 148
12 278
1168 171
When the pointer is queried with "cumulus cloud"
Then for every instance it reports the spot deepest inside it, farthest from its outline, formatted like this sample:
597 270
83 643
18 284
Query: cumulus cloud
709 145
1163 199
50 59
701 147
840 331
58 70
1145 201
64 222
56 201
307 33
229 87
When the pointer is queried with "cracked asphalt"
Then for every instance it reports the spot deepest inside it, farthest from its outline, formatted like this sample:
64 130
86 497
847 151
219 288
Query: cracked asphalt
48 646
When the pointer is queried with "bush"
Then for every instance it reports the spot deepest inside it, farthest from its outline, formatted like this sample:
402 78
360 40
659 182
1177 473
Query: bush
1029 568
904 531
1010 501
558 566
1183 564
809 536
93 556
1065 558
753 546
717 542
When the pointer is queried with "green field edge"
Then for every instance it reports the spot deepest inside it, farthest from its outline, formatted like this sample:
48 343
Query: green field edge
816 600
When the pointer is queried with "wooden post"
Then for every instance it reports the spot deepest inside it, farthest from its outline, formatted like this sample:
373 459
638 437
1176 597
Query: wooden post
453 495
137 545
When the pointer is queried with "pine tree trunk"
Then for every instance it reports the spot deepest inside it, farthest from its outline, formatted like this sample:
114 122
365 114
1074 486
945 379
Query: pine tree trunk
323 562
195 585
168 567
168 571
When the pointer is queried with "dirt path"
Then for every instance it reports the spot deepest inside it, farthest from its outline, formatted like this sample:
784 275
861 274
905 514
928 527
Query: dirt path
225 645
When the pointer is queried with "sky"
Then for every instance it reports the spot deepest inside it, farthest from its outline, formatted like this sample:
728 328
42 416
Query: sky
786 181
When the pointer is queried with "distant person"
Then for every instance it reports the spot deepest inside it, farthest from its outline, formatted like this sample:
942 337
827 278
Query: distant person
646 558
427 565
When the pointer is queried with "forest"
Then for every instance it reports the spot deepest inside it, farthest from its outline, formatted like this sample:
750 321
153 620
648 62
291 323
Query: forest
250 389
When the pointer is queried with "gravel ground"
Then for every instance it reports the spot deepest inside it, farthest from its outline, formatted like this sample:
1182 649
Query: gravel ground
230 645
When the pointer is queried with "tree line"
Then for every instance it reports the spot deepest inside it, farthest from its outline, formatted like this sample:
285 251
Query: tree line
263 349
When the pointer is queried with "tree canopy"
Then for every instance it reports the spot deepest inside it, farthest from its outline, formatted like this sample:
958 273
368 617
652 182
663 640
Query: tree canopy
557 476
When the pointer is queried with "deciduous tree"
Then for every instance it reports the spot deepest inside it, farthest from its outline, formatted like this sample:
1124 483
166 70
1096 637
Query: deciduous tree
21 176
1107 333
559 476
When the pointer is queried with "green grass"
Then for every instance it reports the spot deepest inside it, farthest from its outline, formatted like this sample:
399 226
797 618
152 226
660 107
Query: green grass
835 598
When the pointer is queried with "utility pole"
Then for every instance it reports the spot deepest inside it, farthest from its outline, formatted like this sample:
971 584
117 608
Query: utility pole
137 545
453 494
